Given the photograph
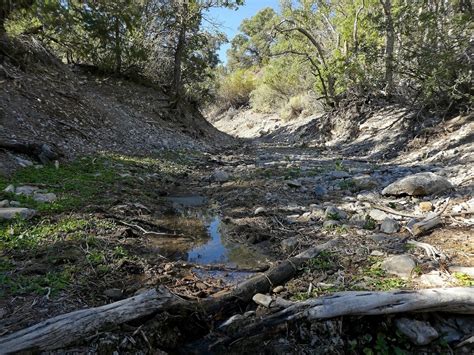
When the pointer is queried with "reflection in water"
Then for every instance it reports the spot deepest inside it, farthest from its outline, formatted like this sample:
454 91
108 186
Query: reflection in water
213 251
208 244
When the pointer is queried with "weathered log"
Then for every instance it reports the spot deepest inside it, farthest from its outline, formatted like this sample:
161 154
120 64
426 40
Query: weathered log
365 303
67 328
264 282
425 225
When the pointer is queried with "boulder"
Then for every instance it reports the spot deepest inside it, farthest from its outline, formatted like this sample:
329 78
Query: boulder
378 215
13 212
389 226
26 190
400 265
421 184
4 203
364 182
220 176
46 197
419 333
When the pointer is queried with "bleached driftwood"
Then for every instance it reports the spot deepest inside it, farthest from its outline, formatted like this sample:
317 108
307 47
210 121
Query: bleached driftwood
67 328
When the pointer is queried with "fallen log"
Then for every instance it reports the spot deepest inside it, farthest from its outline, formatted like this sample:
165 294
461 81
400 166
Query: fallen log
362 303
264 282
67 328
423 226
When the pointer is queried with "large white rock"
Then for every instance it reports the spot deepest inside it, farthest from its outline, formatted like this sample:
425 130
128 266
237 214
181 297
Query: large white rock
13 212
421 184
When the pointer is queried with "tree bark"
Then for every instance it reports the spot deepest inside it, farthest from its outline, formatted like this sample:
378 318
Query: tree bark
178 57
358 303
67 328
389 46
118 47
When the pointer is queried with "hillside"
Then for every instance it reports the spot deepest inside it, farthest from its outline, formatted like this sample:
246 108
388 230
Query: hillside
82 113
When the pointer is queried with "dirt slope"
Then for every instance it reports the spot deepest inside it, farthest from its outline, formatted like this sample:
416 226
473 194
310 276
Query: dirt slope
82 113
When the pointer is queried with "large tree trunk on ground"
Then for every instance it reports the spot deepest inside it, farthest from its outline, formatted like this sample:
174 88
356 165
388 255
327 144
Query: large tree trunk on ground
67 328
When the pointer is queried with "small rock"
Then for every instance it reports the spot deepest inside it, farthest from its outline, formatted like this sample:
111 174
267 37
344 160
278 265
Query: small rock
389 226
114 293
366 196
4 203
319 191
262 300
378 215
331 224
364 182
339 174
294 183
400 265
333 212
419 333
278 289
13 212
220 176
15 204
377 253
260 211
426 206
288 245
421 184
23 162
10 189
26 190
3 313
46 198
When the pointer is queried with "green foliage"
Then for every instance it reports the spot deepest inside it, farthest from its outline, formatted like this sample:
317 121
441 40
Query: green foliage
51 283
464 279
323 262
234 89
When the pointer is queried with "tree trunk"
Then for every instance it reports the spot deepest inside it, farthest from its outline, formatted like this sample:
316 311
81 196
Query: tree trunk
178 58
353 303
118 47
389 46
67 328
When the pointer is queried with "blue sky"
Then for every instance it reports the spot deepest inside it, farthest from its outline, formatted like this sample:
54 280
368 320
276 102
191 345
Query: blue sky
231 19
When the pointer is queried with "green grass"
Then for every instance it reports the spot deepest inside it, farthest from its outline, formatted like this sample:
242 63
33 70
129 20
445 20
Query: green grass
323 262
370 223
94 180
464 279
24 235
348 184
18 285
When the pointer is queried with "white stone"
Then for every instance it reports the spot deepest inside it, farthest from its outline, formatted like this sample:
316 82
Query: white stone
400 265
46 197
13 212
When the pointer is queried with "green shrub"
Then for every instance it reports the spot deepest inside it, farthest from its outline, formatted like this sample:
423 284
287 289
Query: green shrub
235 88
265 100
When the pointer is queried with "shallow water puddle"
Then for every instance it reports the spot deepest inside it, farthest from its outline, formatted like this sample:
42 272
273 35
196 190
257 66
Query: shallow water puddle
201 239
